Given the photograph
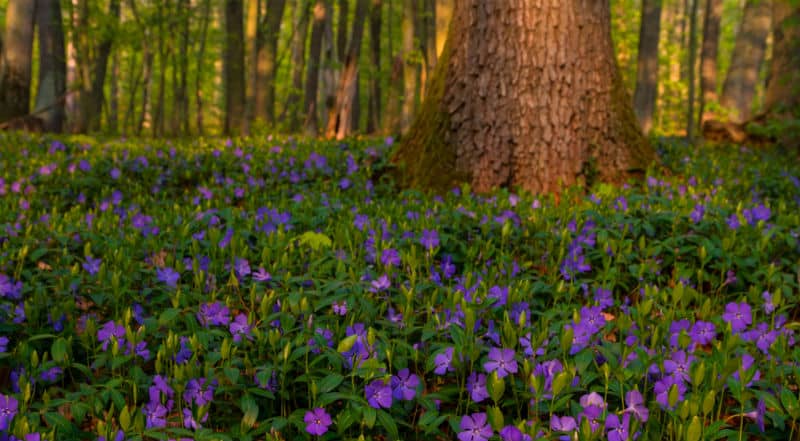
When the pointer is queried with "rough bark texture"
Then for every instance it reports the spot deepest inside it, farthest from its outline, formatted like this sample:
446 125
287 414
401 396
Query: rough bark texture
321 10
410 68
340 118
267 61
375 25
644 97
299 39
691 70
15 64
234 66
748 56
251 35
526 93
708 58
783 88
52 68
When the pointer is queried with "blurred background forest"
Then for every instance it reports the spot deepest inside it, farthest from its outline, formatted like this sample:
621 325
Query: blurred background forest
158 67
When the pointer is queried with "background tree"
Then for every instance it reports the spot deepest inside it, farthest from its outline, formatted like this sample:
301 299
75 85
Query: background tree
234 74
708 58
52 67
507 107
748 56
644 97
15 64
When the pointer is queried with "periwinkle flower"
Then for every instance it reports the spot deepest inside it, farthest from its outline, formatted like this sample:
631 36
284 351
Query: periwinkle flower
769 307
758 413
168 276
214 314
501 361
239 328
109 330
563 424
429 239
635 403
382 283
475 427
340 308
378 394
242 267
317 421
499 294
618 430
476 386
739 315
92 265
390 257
261 275
9 406
404 385
443 362
512 433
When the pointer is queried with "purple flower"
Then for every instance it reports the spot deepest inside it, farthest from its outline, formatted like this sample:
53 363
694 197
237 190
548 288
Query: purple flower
317 421
697 214
636 405
214 314
499 294
242 268
340 308
512 433
769 307
168 276
443 362
3 344
155 415
381 284
757 414
51 375
429 239
501 361
733 221
759 213
563 424
475 427
109 330
679 365
703 333
261 275
662 389
618 430
747 363
240 328
739 315
378 394
390 257
404 385
8 409
92 265
185 353
476 386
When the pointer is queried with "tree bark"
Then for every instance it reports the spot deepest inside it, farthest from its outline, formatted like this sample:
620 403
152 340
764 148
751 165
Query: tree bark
341 30
299 38
199 59
52 66
708 58
16 63
340 118
375 25
321 10
526 93
233 67
253 13
782 96
410 67
267 61
644 97
748 56
691 68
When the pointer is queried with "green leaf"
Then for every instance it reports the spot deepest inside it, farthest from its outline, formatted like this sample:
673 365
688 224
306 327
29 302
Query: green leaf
250 410
387 422
330 383
315 240
369 416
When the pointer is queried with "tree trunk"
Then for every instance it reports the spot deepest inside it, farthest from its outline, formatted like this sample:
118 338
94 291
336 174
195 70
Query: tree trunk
375 24
708 58
429 14
52 68
233 66
267 61
299 38
444 13
201 51
181 93
410 68
746 61
340 119
253 12
113 102
644 98
509 107
691 68
341 30
158 126
782 96
15 64
321 10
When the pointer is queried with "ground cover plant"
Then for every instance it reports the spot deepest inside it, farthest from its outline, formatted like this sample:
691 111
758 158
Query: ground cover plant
275 289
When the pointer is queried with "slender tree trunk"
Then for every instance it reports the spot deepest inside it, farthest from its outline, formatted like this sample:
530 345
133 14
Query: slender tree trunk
181 92
233 65
252 40
158 126
691 68
321 10
327 94
16 61
375 24
113 105
746 61
708 58
201 53
147 87
444 13
52 68
410 66
340 119
527 93
71 104
782 96
267 61
644 98
341 30
299 38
